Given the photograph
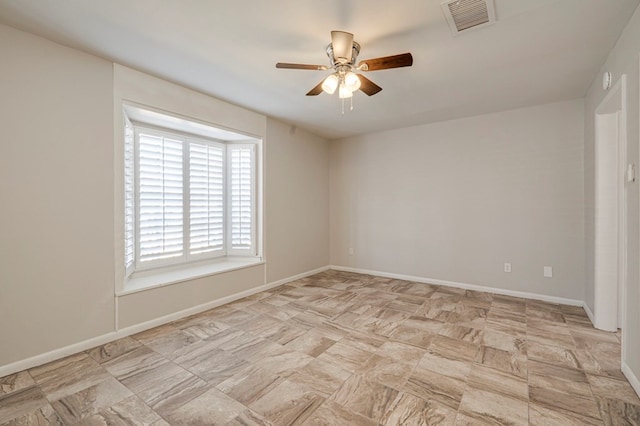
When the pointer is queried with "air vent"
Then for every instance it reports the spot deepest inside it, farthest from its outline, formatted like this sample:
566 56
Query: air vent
463 15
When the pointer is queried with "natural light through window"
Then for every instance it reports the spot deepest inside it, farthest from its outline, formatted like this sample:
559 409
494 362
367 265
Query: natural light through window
190 194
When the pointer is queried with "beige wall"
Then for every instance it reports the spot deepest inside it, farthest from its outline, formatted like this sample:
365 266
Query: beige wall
297 201
60 211
56 187
455 200
623 59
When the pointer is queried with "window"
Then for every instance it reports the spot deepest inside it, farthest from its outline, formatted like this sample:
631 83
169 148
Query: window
188 197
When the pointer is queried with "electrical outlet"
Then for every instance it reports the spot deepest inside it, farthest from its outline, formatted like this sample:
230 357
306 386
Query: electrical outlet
507 267
548 272
351 251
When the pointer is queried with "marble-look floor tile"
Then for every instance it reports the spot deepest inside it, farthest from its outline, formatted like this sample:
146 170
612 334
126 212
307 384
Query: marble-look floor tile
550 416
321 375
377 326
165 395
249 418
67 376
150 375
370 399
385 371
216 367
80 405
312 343
211 407
509 303
138 361
287 404
553 355
42 416
342 348
461 332
510 362
390 315
591 337
564 340
406 305
410 410
249 384
469 316
346 356
606 386
20 403
401 353
618 412
130 411
424 323
331 413
309 319
601 363
412 336
555 400
15 382
500 382
455 368
429 385
284 363
494 408
362 340
504 341
560 379
454 348
169 343
113 349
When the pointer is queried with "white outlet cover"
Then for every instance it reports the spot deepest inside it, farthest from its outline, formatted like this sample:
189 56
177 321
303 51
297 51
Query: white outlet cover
548 272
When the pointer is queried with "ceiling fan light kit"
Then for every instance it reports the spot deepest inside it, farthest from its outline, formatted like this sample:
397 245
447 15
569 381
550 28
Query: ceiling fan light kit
342 53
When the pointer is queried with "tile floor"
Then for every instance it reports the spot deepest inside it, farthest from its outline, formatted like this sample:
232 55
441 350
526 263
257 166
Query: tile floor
340 348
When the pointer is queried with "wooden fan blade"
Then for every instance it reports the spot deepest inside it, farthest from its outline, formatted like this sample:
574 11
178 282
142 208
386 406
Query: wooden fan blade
386 62
342 43
316 90
368 86
301 66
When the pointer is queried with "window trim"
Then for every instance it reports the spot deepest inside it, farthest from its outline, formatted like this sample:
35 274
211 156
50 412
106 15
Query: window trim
137 277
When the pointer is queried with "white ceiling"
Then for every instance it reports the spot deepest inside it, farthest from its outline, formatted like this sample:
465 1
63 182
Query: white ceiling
539 51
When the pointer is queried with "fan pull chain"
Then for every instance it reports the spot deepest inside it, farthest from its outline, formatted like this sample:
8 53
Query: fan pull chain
351 99
343 106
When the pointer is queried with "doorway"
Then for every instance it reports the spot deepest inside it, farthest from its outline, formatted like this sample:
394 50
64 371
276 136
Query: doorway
610 209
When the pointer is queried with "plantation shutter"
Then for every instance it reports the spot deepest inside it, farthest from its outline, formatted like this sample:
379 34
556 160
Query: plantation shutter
206 198
160 197
129 196
241 188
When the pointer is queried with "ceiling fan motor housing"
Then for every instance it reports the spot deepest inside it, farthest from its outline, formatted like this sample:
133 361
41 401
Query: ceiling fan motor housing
337 62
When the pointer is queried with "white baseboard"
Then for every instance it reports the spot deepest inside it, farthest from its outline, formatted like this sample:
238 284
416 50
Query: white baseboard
502 291
633 379
589 312
115 335
299 276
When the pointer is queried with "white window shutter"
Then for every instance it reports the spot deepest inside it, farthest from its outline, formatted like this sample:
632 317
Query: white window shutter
160 175
241 198
129 196
206 198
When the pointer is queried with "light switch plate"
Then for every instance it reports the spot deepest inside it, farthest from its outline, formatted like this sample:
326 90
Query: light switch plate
631 173
548 272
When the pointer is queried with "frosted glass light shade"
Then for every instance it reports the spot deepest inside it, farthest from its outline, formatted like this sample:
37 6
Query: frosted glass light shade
352 81
330 84
344 92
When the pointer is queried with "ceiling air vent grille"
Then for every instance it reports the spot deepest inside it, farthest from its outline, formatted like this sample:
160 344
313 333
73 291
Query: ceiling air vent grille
464 15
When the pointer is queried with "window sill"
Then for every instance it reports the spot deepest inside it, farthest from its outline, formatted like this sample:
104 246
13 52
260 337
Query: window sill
149 280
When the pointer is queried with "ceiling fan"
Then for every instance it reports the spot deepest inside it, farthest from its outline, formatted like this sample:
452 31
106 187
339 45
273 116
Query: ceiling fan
342 53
